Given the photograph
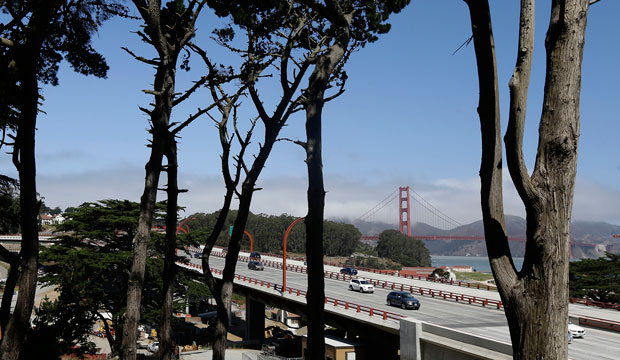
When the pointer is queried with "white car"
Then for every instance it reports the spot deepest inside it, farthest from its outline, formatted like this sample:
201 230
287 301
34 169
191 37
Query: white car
153 347
361 285
576 330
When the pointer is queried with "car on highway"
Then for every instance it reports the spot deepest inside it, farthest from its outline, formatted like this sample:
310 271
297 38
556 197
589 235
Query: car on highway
403 299
576 330
255 255
255 265
198 255
348 270
153 347
361 285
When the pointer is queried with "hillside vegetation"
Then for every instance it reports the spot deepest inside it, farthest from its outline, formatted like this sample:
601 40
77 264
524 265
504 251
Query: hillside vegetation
340 240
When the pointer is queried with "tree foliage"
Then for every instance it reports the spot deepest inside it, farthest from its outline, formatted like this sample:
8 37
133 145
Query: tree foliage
440 274
90 267
403 249
267 232
596 279
9 205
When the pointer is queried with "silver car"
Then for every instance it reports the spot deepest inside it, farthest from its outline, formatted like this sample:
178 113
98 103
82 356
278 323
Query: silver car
361 285
576 330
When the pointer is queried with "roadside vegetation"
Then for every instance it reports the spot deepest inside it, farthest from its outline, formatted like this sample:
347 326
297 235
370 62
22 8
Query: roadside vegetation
473 276
596 279
89 267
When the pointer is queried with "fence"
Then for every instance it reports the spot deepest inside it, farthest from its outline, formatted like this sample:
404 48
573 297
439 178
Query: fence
421 291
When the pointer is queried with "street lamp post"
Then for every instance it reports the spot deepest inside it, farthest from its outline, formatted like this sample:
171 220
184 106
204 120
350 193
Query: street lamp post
181 228
251 241
284 253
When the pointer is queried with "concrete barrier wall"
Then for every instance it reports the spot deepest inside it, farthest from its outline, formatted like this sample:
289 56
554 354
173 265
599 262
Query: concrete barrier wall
424 341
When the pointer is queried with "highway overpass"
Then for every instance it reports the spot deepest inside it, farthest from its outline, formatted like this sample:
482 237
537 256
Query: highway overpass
441 321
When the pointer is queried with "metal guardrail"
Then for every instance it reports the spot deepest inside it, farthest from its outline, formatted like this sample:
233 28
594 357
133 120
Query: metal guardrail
589 302
417 290
599 323
421 291
386 315
358 308
18 238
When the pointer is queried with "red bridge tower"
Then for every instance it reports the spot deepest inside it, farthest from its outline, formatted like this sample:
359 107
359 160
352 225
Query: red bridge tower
404 209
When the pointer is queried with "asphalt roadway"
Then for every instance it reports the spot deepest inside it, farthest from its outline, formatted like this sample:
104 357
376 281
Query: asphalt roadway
483 321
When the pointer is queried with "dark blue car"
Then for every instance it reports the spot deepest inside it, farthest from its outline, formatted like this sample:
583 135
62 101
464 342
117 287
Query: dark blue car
403 299
255 265
348 271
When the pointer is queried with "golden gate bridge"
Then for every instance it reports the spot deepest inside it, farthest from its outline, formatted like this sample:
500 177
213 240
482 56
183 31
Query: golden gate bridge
410 209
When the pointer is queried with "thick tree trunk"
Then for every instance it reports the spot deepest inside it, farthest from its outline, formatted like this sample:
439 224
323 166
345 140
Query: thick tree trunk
317 83
314 231
25 162
166 350
536 298
160 118
545 268
228 275
9 289
168 40
164 87
223 302
19 323
143 235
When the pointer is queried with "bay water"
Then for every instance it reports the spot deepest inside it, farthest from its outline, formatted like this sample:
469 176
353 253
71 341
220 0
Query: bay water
478 263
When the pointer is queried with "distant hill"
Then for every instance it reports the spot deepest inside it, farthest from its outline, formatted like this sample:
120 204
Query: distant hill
586 232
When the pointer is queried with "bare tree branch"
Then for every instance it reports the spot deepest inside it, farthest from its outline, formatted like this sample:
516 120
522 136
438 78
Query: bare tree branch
340 92
144 37
187 93
145 110
140 58
259 104
303 144
7 42
518 85
193 117
9 256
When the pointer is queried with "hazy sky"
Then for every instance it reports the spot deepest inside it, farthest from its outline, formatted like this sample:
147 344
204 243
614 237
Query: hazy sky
408 117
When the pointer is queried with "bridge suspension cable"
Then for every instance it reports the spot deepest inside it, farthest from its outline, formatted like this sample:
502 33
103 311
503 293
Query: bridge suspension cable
383 203
438 214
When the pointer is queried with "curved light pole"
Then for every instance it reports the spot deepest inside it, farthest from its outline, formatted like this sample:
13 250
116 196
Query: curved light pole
284 253
251 241
180 227
248 234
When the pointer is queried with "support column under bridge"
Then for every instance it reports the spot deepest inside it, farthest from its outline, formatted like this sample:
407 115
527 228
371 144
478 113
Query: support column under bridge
254 320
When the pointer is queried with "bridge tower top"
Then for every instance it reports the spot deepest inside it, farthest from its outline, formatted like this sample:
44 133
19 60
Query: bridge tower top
404 206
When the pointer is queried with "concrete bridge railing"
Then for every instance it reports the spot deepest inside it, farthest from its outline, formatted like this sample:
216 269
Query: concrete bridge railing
424 341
